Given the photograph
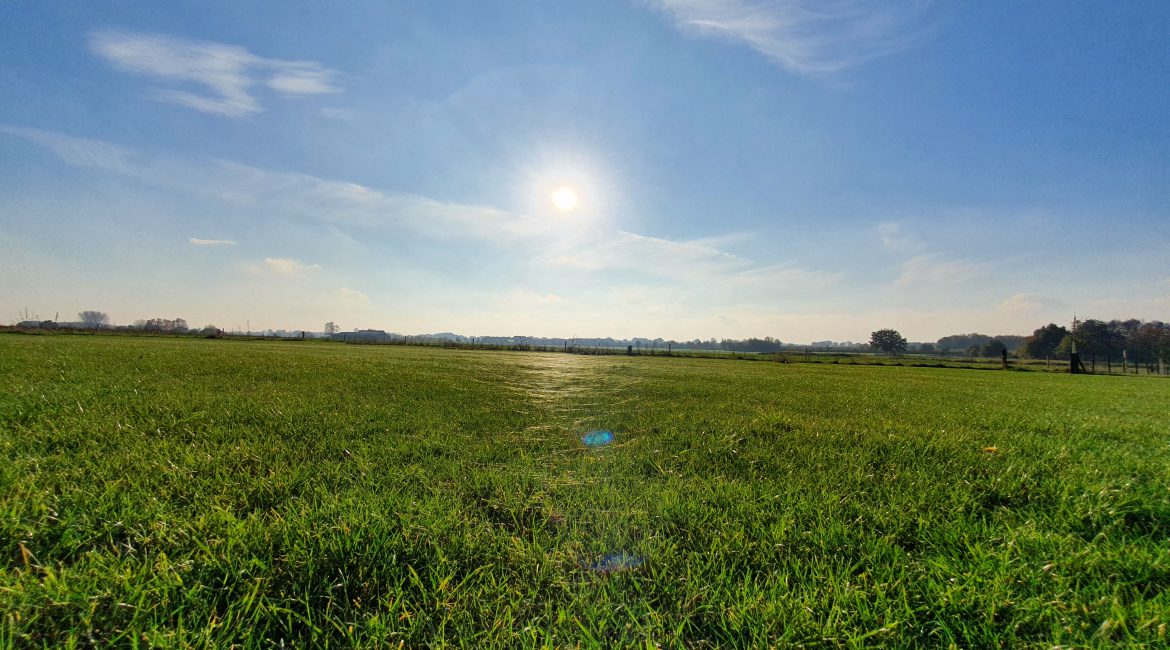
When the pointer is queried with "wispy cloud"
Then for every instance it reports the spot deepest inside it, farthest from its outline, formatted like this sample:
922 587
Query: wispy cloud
351 296
288 266
195 241
780 277
1028 303
632 252
895 238
805 36
695 263
309 196
934 270
527 298
223 76
80 152
336 113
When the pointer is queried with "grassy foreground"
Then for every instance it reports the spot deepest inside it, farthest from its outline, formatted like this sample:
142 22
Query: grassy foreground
166 492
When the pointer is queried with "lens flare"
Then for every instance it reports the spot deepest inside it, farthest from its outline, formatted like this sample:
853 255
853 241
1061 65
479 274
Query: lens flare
616 563
597 438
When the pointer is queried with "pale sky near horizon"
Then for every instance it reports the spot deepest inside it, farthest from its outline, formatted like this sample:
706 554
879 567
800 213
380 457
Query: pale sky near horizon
725 168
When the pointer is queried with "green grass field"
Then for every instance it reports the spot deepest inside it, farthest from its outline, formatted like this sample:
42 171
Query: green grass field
173 492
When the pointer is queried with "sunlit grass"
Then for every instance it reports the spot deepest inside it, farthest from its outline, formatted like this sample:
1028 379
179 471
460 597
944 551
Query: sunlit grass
190 492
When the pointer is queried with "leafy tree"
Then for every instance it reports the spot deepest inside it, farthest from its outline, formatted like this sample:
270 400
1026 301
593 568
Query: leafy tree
962 341
1044 341
162 325
1150 342
993 348
94 319
331 328
1094 338
888 341
1098 338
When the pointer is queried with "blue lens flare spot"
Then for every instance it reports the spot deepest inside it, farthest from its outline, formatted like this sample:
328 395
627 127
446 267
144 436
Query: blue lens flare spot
597 438
616 563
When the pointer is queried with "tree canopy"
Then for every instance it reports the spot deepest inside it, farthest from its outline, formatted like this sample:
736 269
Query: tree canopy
1044 341
888 341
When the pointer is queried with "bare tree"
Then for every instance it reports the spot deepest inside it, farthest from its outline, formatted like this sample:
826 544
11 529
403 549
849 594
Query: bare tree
94 319
331 328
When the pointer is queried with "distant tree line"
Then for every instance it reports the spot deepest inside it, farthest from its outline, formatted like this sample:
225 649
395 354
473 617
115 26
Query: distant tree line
171 325
1135 340
1140 342
979 345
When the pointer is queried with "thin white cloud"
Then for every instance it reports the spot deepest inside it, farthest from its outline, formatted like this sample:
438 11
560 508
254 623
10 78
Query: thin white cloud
351 296
336 113
288 266
780 277
219 78
934 270
632 252
195 241
697 263
80 152
895 238
1028 303
526 298
308 196
805 36
692 262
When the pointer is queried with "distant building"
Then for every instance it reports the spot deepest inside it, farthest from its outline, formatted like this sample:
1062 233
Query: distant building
364 336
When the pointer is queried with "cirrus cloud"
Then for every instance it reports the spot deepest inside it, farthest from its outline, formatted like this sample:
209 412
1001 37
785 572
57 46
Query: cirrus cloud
222 75
806 37
352 296
288 266
195 241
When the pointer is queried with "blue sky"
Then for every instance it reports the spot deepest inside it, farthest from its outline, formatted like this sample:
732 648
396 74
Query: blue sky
801 170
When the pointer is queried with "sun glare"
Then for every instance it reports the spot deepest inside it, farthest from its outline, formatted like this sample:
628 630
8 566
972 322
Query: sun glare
565 199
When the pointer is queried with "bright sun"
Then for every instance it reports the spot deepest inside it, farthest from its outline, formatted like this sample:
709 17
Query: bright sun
565 199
